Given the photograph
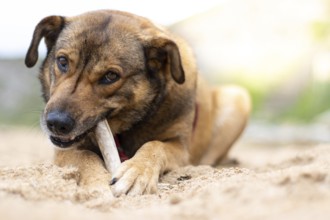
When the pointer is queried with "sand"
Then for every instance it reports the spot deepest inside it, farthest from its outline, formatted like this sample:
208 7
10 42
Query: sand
267 182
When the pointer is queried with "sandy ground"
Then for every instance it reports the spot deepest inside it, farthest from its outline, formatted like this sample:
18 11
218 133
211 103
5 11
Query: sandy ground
268 182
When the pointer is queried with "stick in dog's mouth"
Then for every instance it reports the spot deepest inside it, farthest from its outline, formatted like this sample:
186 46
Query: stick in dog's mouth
107 146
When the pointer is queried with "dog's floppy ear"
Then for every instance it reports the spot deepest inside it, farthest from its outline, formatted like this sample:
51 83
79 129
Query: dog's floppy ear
49 28
164 53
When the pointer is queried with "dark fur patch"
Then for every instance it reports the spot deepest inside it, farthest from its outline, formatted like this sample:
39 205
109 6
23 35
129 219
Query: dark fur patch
158 117
80 78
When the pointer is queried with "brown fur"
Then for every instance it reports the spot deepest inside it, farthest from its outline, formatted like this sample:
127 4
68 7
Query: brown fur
151 107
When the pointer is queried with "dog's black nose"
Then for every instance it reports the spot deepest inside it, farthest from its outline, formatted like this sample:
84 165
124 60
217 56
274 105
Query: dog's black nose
59 122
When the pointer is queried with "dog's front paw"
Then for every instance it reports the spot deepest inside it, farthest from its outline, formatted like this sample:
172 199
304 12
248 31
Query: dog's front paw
135 177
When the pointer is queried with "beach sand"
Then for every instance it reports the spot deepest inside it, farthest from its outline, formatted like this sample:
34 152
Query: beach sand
265 182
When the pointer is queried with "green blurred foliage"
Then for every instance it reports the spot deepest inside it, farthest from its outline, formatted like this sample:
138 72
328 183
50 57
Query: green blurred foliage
310 104
26 112
321 30
20 96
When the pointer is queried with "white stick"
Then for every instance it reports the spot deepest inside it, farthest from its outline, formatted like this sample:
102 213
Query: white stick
107 146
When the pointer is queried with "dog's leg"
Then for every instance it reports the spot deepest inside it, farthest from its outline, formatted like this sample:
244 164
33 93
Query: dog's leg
140 174
233 107
93 174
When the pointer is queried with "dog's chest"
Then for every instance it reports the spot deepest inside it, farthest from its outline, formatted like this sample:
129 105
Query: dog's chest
131 141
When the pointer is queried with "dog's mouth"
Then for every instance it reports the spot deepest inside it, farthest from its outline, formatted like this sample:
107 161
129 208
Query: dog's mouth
67 142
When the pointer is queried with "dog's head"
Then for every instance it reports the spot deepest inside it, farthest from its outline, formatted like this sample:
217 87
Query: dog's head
103 64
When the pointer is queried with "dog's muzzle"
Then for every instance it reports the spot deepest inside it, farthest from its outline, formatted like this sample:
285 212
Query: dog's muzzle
60 124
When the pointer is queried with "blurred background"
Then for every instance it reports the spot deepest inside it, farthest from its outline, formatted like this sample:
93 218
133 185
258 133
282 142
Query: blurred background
278 49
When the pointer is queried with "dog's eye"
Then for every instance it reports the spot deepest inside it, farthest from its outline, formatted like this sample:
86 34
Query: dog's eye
109 78
63 64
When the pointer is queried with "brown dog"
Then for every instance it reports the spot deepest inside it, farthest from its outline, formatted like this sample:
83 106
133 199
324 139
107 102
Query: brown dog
144 81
